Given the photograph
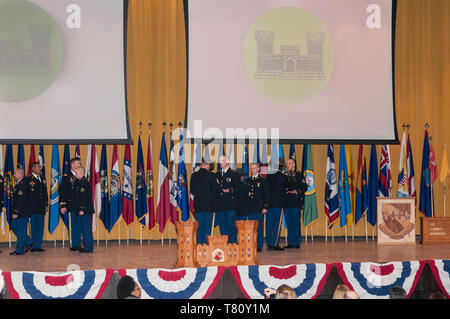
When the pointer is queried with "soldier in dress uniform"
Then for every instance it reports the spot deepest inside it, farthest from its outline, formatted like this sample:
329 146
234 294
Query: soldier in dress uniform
204 188
228 181
275 182
294 187
84 208
37 204
242 197
19 215
67 203
258 196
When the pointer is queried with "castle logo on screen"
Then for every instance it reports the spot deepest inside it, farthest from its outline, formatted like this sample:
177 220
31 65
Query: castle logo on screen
290 63
16 59
288 55
31 51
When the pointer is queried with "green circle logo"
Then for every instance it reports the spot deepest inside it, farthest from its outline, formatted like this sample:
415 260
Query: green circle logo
31 50
288 55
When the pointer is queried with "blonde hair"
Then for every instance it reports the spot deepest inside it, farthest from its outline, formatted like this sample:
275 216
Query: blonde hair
340 291
285 292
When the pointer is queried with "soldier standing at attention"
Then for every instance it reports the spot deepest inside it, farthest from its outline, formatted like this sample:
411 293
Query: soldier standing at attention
84 207
294 186
204 188
19 216
228 182
37 204
258 195
67 204
275 181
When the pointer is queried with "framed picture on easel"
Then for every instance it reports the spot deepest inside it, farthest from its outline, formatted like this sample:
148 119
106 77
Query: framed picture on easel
396 220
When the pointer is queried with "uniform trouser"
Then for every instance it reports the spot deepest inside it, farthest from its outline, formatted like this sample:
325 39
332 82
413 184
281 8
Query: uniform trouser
204 220
292 216
273 222
75 231
86 231
225 220
37 230
260 232
19 228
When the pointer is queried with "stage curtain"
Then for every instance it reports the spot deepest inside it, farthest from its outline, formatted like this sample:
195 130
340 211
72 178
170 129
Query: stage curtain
156 60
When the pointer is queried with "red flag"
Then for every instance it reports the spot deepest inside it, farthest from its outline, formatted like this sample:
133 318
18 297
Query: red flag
77 152
149 185
163 209
96 189
127 190
32 159
432 165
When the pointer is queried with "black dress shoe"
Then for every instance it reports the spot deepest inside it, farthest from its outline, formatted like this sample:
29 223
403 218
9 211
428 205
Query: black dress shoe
37 249
74 248
81 250
27 248
292 246
14 253
258 250
277 248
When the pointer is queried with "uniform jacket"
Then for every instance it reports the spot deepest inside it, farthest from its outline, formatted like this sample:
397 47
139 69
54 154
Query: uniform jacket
229 180
275 183
37 195
258 194
204 188
67 192
294 180
83 197
242 200
19 200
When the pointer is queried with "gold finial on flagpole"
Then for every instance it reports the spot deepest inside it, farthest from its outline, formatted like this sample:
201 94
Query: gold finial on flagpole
180 124
427 125
164 125
140 127
149 125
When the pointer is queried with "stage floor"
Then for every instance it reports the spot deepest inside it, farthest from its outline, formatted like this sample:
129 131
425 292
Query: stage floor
154 255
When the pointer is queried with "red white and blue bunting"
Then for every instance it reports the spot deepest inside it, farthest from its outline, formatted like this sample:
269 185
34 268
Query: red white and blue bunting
373 281
307 280
88 284
441 272
185 283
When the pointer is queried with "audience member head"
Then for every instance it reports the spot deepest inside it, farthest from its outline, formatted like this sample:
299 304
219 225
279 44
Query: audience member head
340 291
285 292
397 292
351 295
437 295
127 287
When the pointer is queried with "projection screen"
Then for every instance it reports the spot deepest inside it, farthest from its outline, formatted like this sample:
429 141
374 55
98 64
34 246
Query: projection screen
63 71
318 70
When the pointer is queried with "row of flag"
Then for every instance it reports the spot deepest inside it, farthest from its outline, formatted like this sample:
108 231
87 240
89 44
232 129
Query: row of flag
347 196
350 199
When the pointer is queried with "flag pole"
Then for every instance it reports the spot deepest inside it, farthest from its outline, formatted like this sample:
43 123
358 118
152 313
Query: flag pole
445 193
366 227
326 230
345 233
128 235
119 232
9 238
306 235
63 237
312 234
353 232
332 234
279 227
140 235
212 225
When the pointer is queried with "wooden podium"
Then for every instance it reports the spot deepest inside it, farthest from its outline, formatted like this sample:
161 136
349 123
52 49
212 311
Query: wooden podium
217 252
435 230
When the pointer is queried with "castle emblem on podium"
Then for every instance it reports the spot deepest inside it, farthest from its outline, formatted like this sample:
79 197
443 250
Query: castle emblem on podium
290 63
218 252
15 59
